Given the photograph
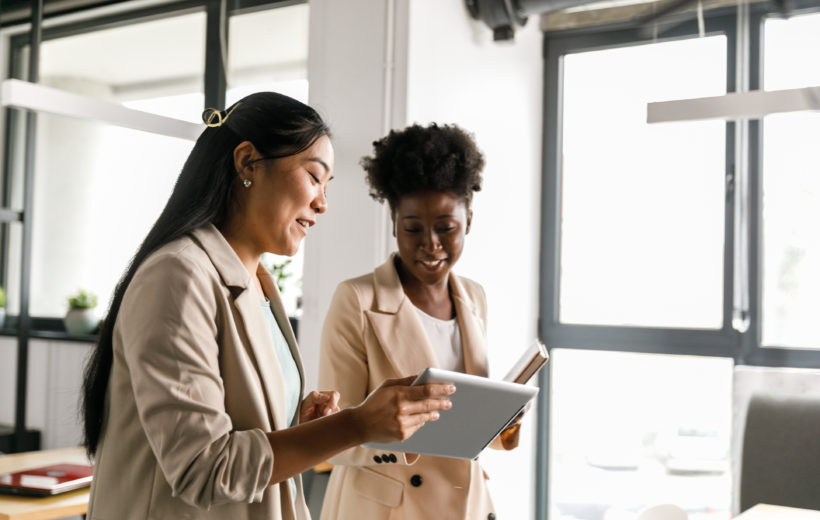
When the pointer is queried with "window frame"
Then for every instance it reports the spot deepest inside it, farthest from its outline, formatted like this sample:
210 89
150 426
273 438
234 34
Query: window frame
214 88
742 346
716 342
752 351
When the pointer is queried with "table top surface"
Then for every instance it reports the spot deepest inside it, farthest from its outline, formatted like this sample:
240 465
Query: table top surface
43 508
768 512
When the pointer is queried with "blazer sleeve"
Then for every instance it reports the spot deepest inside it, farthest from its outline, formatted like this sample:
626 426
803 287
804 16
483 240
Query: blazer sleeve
168 329
343 367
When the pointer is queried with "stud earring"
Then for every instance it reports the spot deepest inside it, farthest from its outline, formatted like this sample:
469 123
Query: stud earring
247 183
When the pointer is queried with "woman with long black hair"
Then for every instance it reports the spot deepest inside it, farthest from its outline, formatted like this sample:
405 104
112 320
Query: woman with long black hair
193 397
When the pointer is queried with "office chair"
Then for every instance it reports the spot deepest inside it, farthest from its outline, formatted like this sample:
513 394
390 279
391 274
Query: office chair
781 452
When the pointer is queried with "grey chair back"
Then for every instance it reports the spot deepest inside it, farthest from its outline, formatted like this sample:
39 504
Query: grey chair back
781 452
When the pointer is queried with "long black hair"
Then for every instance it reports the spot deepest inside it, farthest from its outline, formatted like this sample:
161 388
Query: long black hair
278 126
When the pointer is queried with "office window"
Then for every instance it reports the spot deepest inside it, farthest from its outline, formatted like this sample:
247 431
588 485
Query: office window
99 188
268 52
637 229
632 430
157 59
791 190
642 206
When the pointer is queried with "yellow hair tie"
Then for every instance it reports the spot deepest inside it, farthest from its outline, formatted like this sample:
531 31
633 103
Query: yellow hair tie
213 118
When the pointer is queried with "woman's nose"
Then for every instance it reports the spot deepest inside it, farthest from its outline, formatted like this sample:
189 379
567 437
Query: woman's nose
320 203
431 241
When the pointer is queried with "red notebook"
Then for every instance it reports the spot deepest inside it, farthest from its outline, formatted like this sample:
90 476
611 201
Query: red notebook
46 480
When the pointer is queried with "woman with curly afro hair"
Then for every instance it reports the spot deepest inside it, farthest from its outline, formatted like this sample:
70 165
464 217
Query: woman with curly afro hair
411 313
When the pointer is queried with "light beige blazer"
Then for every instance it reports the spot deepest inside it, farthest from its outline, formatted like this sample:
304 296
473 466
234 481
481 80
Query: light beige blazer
194 386
372 333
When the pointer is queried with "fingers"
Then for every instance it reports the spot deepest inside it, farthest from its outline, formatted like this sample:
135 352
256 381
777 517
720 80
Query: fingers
430 390
404 381
331 404
326 402
424 406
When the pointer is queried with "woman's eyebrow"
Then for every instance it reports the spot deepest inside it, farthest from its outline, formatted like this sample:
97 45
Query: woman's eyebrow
320 161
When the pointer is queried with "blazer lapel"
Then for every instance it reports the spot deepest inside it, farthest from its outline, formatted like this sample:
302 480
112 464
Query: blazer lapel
249 310
397 326
272 293
471 325
249 306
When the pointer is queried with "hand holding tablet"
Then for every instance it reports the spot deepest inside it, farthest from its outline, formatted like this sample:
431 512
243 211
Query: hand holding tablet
481 409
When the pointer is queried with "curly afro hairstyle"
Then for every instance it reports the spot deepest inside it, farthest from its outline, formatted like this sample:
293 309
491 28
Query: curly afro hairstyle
422 158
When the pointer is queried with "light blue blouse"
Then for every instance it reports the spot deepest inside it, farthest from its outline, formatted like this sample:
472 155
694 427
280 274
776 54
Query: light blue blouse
290 372
293 381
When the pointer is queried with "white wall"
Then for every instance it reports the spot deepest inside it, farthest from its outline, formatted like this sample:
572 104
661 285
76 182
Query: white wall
350 43
55 371
457 74
377 64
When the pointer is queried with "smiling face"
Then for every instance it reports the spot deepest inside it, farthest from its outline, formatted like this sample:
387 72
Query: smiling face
430 227
285 196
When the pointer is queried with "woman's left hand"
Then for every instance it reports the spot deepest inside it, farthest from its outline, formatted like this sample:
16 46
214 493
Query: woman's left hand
509 436
318 404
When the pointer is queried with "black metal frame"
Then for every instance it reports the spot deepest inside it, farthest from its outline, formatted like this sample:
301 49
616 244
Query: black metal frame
725 342
754 353
25 326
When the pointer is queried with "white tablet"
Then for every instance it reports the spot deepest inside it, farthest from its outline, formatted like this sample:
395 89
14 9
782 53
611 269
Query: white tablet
482 408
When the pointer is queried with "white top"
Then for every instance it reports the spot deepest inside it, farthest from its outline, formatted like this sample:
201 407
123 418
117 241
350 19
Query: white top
445 338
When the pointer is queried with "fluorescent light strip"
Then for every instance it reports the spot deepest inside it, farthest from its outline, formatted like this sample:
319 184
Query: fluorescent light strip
31 96
740 105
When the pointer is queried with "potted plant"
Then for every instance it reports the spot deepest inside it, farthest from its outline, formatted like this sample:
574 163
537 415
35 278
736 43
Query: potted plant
80 318
2 307
280 274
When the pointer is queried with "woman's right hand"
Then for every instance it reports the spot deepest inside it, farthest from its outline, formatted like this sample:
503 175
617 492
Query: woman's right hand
395 410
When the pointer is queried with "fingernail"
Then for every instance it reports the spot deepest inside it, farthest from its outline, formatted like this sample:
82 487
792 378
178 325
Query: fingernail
448 404
435 416
451 388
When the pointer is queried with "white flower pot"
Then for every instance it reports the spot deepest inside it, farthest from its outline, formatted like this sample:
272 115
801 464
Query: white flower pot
80 321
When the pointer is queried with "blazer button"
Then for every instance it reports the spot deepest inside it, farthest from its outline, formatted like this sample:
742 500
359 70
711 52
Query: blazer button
393 457
491 516
377 459
416 480
385 457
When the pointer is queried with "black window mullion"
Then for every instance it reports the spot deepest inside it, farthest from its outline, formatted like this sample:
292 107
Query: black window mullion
216 52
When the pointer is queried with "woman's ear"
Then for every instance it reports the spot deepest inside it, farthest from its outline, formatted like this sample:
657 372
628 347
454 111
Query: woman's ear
469 221
242 156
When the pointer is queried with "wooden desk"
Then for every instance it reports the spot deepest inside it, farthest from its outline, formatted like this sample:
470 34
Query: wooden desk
767 512
31 508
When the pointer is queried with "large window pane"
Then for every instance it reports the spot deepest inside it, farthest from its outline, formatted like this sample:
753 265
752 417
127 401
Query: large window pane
643 205
268 52
98 189
633 430
791 190
133 62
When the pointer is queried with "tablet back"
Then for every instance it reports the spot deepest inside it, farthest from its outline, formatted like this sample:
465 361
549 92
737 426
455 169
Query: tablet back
482 408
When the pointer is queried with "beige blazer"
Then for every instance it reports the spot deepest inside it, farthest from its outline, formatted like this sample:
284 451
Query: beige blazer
372 333
194 386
